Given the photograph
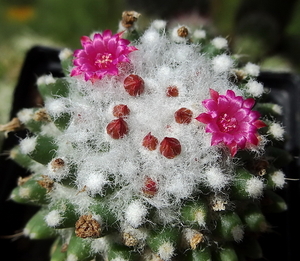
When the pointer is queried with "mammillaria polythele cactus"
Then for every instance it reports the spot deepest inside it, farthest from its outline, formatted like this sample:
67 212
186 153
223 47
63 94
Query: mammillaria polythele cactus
154 149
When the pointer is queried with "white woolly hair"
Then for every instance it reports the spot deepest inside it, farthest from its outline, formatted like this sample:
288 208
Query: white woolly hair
216 179
25 115
159 24
50 130
135 213
24 192
72 257
276 130
254 187
65 54
219 42
102 244
56 107
29 234
252 69
94 182
277 109
166 251
28 145
46 79
254 88
199 34
151 37
53 218
222 63
278 178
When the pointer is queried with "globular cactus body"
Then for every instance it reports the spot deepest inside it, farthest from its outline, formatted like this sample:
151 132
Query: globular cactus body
151 151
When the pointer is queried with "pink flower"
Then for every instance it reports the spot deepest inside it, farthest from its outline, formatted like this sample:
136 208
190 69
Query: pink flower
101 56
231 120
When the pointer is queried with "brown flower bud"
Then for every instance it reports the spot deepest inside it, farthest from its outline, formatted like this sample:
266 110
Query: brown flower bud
150 142
172 91
170 147
128 18
117 129
41 115
129 240
182 32
46 183
57 164
121 110
87 226
134 85
183 116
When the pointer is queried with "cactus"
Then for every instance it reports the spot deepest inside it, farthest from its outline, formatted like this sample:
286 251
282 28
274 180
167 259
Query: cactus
154 149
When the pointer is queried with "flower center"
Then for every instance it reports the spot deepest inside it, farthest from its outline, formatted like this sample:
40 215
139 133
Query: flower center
227 123
103 60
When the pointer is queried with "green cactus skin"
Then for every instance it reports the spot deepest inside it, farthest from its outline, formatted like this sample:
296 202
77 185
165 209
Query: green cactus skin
36 227
21 159
195 213
164 242
199 254
45 149
57 252
226 253
59 87
254 219
229 227
31 192
79 248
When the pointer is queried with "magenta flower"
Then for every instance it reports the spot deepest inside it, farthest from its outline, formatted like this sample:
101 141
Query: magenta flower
231 120
101 56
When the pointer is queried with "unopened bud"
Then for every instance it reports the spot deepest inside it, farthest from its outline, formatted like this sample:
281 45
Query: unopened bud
150 142
121 110
134 85
117 128
172 91
170 147
150 187
183 116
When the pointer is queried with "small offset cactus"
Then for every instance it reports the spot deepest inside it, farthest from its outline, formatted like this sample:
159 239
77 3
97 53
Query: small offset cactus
155 148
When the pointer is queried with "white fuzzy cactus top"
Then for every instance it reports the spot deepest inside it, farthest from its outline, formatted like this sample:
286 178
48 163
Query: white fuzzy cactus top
103 161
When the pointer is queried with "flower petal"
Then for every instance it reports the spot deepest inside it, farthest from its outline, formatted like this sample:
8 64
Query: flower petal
210 105
214 95
204 118
249 103
84 40
101 56
259 124
231 120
